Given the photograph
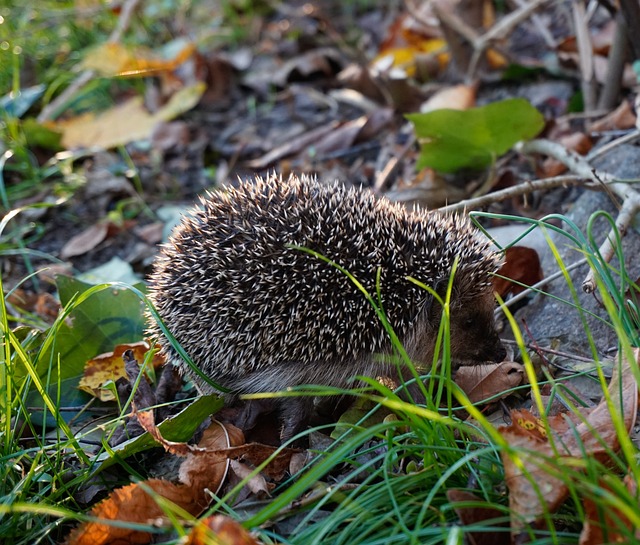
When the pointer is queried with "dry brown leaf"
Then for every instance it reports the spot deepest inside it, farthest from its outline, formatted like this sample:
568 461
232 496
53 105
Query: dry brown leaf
621 118
208 467
458 97
351 132
44 305
482 382
220 530
295 146
85 241
576 141
114 59
529 486
257 484
532 491
201 471
133 503
109 366
124 123
522 264
601 527
470 516
256 453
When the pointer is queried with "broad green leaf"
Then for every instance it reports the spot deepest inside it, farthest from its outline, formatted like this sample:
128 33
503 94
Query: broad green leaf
454 139
108 317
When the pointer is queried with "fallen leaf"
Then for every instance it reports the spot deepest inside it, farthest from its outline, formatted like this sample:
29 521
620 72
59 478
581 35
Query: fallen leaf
622 118
110 367
532 489
114 59
86 241
481 382
256 483
220 530
202 471
135 503
604 526
575 141
522 266
475 515
458 97
126 122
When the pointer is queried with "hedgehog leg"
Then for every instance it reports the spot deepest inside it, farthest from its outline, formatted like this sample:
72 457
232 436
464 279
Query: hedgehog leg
295 413
250 412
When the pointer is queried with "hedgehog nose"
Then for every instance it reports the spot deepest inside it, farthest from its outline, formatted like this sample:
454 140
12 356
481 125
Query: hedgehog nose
501 353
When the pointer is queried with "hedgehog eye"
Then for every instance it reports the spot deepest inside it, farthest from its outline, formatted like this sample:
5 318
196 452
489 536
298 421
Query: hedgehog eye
469 323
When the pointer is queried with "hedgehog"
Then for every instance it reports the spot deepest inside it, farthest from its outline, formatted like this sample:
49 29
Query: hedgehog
253 285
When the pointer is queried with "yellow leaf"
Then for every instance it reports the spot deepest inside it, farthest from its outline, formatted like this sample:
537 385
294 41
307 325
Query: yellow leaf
113 59
124 123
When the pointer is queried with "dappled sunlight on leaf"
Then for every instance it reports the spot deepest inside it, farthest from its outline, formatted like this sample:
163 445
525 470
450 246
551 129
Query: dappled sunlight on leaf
109 367
125 122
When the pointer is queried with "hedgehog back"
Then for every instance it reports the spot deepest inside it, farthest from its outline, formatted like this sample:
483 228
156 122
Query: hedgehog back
240 297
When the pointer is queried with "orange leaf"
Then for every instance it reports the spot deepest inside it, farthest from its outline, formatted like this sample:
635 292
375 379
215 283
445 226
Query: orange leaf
220 530
109 366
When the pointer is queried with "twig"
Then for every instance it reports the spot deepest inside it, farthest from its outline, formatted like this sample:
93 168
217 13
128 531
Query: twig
632 136
585 52
630 10
580 166
479 43
515 191
629 209
540 26
392 165
539 285
50 111
615 66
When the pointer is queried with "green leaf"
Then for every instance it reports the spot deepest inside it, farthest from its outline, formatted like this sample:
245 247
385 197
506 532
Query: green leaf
38 135
108 317
454 139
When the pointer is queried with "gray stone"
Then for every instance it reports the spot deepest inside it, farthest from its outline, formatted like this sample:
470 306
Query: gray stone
551 319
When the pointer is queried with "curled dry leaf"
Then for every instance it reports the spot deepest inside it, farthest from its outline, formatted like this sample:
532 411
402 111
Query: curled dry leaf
481 382
257 484
532 489
458 97
621 118
134 503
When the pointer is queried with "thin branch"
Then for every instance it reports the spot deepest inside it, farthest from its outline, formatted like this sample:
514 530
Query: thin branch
580 166
522 189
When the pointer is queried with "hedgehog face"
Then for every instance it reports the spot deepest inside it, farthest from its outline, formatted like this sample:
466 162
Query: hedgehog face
473 335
